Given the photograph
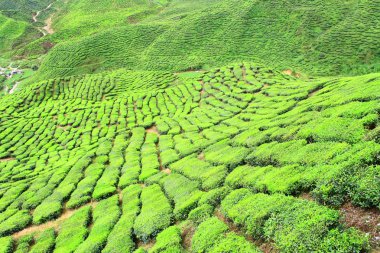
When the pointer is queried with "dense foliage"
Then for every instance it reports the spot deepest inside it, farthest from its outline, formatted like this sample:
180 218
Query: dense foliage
149 150
144 126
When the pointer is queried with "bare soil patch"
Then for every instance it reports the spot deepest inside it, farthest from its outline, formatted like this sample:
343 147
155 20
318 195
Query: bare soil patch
306 196
153 130
46 45
290 72
187 236
312 93
67 213
201 156
7 159
167 171
366 220
268 248
147 245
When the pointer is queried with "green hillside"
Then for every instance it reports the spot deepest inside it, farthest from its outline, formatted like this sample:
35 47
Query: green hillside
15 34
177 126
186 142
315 37
22 9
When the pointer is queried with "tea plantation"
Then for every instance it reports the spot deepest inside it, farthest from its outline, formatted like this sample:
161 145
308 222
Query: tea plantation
211 161
175 126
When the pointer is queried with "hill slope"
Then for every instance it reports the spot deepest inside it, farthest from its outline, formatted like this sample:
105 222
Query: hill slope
146 126
182 145
315 37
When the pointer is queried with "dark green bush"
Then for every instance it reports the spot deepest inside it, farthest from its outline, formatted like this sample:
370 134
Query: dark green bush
201 213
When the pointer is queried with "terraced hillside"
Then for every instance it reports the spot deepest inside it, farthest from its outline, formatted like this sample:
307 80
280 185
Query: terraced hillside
241 158
319 37
315 37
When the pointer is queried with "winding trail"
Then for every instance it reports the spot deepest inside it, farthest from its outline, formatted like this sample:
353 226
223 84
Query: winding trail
47 29
14 88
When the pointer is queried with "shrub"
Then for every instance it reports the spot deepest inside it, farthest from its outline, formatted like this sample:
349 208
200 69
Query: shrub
155 213
6 244
214 197
366 188
294 225
207 234
184 193
233 243
44 243
15 223
349 240
121 237
24 243
73 231
102 225
168 240
201 213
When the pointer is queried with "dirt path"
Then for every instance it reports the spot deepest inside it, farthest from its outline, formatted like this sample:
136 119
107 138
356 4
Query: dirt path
366 220
153 129
47 29
14 88
35 16
51 224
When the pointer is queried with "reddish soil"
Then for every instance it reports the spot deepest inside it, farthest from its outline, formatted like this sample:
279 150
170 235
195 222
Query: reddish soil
187 236
268 248
47 45
366 220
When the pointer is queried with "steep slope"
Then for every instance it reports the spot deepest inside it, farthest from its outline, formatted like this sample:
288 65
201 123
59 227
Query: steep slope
315 37
22 9
76 19
238 144
15 34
